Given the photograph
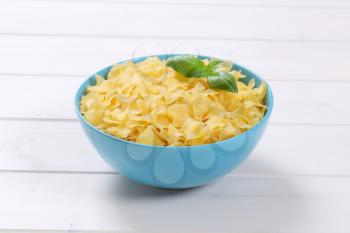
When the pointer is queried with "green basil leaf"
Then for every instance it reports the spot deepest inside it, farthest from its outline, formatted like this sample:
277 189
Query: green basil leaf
193 67
189 66
214 64
224 81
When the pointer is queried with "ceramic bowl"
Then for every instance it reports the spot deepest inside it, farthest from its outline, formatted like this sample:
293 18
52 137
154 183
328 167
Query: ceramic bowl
174 167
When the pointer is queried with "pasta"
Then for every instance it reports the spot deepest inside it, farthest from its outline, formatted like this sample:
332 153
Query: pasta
150 103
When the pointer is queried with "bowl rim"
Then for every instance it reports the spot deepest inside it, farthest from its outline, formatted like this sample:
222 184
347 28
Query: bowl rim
82 88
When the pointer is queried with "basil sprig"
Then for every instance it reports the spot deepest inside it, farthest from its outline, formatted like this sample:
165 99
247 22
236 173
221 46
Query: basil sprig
193 67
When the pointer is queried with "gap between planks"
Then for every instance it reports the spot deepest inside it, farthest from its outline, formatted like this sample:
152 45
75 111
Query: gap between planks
207 38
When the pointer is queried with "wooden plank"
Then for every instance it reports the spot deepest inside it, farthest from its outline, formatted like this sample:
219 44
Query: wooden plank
47 146
296 102
182 21
284 150
110 202
311 102
83 56
38 97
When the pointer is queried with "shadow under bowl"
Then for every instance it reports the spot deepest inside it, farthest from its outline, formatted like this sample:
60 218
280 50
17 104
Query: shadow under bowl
174 167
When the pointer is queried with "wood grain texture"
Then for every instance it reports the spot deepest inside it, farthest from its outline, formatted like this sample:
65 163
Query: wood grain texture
176 21
52 56
109 202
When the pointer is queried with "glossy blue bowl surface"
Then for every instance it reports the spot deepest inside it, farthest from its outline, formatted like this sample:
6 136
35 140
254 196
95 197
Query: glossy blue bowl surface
174 167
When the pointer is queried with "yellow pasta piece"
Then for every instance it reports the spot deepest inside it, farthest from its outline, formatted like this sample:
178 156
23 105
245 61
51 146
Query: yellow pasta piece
178 113
146 137
150 103
174 134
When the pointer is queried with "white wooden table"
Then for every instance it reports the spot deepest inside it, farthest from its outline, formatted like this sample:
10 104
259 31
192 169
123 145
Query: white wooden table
297 180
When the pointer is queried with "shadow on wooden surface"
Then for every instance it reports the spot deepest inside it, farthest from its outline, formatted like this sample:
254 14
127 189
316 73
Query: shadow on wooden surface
233 203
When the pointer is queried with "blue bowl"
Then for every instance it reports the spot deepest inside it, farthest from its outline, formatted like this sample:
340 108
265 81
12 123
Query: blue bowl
174 167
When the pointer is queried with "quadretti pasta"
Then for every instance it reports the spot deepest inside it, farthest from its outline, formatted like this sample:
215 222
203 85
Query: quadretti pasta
150 103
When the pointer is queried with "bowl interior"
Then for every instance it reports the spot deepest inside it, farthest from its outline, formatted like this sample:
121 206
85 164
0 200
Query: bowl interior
104 72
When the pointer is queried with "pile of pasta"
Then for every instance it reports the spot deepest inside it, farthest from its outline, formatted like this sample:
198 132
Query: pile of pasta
150 103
